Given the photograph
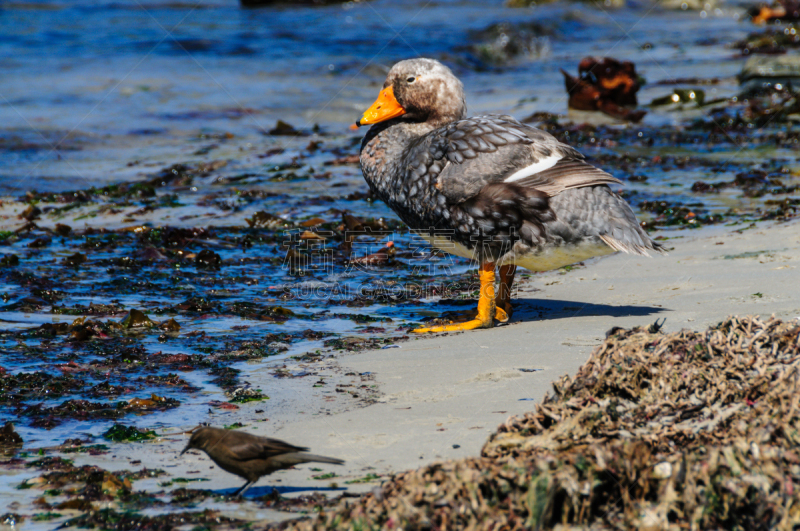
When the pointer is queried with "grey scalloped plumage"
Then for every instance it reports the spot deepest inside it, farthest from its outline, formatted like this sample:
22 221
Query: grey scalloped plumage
456 169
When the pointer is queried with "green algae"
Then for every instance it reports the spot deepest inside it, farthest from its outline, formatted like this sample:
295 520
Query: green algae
122 433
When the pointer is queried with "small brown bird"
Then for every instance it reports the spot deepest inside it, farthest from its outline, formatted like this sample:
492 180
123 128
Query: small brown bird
250 456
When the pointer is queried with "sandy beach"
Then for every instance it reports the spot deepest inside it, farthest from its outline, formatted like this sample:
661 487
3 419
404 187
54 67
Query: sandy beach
442 396
439 397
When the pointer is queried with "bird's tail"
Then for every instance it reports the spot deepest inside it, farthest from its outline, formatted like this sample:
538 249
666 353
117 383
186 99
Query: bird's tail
298 458
311 458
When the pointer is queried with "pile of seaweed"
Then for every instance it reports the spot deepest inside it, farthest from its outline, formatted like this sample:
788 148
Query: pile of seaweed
656 431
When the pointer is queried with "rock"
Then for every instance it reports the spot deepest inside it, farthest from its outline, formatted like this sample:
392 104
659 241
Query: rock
8 436
136 319
265 219
170 326
284 129
278 346
242 395
772 41
38 243
501 43
207 259
782 69
30 213
62 230
9 260
74 260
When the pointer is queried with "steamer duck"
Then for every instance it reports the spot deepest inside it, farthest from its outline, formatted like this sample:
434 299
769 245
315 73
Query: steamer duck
488 187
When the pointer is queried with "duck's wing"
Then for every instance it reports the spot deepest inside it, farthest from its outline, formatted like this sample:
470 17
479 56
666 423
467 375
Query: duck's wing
492 149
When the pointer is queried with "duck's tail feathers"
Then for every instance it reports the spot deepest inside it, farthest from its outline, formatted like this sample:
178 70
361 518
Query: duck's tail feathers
642 249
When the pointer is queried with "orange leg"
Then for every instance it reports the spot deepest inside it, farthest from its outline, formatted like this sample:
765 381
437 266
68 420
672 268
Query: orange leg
486 306
503 302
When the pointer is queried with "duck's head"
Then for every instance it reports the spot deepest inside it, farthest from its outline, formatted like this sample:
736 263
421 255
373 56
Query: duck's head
418 90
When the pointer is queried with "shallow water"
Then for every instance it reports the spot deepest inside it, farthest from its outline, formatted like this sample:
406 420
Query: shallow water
100 93
90 87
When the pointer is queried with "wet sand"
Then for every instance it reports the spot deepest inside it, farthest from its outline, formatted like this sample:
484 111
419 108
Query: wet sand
439 397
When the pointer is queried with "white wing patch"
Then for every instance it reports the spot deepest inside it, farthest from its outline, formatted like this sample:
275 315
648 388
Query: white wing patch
544 164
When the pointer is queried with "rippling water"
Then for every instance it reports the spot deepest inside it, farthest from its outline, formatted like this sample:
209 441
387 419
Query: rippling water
89 87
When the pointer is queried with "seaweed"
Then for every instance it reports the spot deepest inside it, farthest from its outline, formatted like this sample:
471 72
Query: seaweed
120 433
681 430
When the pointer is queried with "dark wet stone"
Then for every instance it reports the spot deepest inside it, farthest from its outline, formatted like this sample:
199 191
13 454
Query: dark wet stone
242 395
500 44
170 326
278 346
284 129
74 260
760 75
250 310
30 213
198 305
62 230
136 319
704 188
770 41
9 260
207 259
8 436
265 219
39 243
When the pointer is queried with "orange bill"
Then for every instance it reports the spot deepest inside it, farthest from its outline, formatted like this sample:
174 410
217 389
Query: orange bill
384 108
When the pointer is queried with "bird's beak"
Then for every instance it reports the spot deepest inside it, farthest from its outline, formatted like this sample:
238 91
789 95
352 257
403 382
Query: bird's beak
185 449
384 108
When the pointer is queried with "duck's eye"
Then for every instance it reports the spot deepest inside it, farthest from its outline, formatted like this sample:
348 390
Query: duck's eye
411 79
